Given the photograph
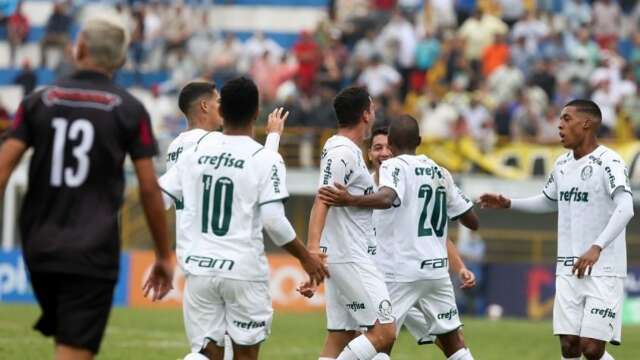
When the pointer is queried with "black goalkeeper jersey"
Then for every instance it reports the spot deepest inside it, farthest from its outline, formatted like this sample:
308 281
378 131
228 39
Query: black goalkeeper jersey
80 129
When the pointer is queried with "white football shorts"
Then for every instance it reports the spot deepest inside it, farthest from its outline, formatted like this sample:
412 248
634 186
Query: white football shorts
590 307
417 326
356 297
433 297
214 306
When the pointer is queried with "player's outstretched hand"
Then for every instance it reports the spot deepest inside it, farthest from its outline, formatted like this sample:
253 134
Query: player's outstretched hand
585 263
160 280
275 121
336 195
315 266
494 201
307 289
467 278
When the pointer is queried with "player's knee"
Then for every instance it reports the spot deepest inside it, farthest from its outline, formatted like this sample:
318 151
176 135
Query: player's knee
570 346
591 350
382 336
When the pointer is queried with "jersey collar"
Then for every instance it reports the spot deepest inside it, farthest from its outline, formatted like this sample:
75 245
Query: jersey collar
90 75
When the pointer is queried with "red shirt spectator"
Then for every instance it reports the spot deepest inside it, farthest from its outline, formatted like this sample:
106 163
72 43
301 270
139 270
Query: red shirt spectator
308 54
17 31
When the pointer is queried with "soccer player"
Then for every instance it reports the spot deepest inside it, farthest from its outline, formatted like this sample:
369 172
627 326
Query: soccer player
199 102
231 187
589 188
81 129
379 151
356 295
424 197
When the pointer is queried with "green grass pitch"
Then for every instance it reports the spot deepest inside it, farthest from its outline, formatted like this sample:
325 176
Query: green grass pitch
158 334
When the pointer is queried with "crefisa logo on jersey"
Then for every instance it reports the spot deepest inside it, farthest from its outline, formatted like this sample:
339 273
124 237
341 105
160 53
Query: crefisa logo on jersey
223 159
612 179
174 155
276 179
448 315
326 173
605 313
586 173
355 306
574 195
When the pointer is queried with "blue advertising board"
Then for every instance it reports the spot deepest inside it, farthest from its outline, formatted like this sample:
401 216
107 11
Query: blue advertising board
15 286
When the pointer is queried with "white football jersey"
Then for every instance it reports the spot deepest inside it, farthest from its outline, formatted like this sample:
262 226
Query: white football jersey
412 236
583 189
223 182
348 232
184 143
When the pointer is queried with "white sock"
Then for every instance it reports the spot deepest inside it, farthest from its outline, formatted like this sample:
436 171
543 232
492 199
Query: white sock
381 356
564 358
228 348
606 356
462 354
325 358
359 348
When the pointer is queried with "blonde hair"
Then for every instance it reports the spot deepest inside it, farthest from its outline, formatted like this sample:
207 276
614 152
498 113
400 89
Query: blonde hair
107 39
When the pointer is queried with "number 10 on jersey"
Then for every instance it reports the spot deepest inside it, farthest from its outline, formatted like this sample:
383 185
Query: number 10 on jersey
222 203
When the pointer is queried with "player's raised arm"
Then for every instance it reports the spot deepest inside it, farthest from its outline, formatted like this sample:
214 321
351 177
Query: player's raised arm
275 127
539 204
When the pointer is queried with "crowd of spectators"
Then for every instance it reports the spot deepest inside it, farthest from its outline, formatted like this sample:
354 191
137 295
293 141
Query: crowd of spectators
493 70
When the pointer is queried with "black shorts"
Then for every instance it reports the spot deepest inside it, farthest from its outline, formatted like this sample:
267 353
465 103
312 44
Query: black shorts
75 308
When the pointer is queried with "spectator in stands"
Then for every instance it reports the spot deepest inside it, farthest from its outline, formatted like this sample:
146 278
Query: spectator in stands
479 32
27 78
552 47
380 78
577 14
526 117
225 56
427 51
547 132
532 29
309 55
443 13
495 55
605 96
17 32
505 82
57 32
607 19
401 32
153 34
582 47
258 44
480 124
544 77
512 11
177 31
136 46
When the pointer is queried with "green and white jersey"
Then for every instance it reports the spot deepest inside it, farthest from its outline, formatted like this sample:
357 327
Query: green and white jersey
584 189
183 144
348 232
223 182
412 238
